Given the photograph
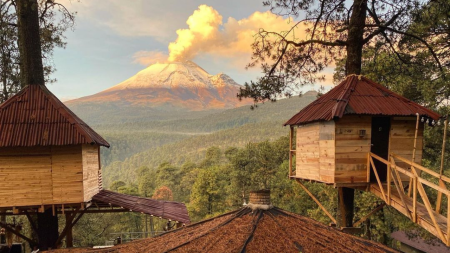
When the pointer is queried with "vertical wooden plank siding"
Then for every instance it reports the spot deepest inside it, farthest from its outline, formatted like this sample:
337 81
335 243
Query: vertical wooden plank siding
352 149
91 168
315 152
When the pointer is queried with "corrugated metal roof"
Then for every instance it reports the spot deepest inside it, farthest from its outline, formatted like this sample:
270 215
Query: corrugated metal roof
359 95
247 230
35 117
175 211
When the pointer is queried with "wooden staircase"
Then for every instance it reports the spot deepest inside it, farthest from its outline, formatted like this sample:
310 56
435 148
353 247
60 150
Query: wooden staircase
408 191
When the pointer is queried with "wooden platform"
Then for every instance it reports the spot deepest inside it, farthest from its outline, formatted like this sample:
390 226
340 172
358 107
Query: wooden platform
423 218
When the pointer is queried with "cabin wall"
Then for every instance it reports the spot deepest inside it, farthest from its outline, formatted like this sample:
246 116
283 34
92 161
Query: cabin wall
402 139
351 149
91 168
67 174
40 176
315 152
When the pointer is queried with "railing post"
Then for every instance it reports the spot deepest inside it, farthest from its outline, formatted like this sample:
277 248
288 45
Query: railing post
448 220
389 184
368 167
415 199
291 136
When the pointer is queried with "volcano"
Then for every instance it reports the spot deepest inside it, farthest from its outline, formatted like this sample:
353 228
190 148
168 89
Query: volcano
181 85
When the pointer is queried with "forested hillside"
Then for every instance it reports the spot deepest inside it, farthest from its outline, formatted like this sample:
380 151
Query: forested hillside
132 137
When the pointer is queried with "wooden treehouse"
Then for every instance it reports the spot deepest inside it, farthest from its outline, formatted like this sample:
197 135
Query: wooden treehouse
50 162
363 136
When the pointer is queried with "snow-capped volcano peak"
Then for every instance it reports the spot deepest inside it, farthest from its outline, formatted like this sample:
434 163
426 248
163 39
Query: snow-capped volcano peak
174 75
177 84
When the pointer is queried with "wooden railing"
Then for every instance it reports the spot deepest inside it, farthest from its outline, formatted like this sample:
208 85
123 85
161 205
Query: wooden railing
439 224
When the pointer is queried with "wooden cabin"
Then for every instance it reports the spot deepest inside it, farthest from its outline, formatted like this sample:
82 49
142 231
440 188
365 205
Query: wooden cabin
47 154
335 133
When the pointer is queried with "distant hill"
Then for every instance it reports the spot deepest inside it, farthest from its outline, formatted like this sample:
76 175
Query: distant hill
187 140
161 91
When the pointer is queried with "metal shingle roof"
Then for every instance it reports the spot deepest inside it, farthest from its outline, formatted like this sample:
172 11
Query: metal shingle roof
35 117
359 95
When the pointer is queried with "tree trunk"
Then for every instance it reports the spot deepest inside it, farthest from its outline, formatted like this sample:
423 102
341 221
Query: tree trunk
31 68
47 227
32 73
346 196
346 200
355 37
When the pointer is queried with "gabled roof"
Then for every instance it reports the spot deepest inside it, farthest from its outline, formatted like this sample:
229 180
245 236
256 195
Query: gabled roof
247 230
359 95
169 210
35 117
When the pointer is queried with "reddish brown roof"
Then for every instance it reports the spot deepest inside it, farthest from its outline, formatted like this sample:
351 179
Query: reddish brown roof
35 117
169 210
247 230
359 95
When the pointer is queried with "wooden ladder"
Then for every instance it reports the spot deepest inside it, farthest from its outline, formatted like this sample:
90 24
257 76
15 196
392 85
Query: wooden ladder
411 199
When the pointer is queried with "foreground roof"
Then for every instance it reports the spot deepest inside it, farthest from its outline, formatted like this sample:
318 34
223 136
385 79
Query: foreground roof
169 210
36 117
359 95
247 230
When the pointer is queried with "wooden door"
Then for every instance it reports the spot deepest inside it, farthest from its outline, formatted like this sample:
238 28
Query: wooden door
380 145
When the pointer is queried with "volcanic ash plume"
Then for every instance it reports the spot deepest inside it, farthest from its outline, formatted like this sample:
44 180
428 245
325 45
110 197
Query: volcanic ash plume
207 34
203 30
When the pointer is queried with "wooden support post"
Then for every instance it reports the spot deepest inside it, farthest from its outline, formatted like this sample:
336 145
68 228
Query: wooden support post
414 150
415 200
439 196
69 236
316 200
389 184
448 220
291 136
368 167
379 207
67 228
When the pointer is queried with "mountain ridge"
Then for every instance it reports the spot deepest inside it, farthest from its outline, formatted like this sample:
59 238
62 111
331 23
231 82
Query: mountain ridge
183 85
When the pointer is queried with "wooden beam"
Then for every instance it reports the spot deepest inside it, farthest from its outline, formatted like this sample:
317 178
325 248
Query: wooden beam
12 230
439 196
420 167
69 227
32 224
379 207
317 201
402 195
378 179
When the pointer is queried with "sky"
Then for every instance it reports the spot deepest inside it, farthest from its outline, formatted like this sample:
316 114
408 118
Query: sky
114 39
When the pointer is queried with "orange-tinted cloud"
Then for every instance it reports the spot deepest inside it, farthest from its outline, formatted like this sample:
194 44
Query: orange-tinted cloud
147 58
